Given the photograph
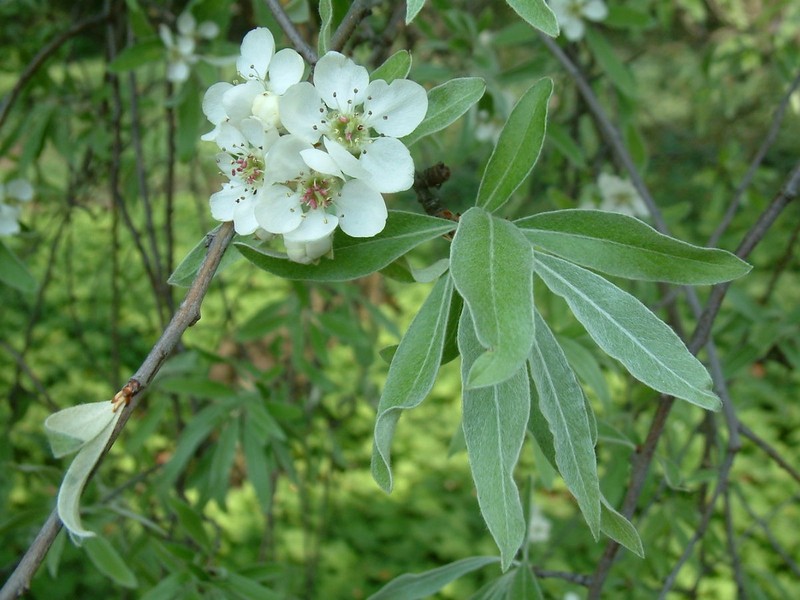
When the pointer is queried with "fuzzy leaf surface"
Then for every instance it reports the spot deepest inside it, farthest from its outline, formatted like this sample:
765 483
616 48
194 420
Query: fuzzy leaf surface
446 103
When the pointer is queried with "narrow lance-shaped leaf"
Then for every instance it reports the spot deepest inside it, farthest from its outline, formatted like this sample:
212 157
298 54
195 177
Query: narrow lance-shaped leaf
563 405
446 103
413 586
187 270
628 331
355 257
626 247
517 148
618 73
491 263
612 524
325 18
537 14
396 66
13 271
412 9
411 375
109 562
494 420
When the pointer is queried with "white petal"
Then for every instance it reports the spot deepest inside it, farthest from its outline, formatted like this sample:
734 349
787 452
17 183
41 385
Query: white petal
317 223
265 107
596 10
230 139
20 189
186 23
212 102
185 46
225 162
258 46
259 138
308 252
166 36
238 100
303 112
277 209
389 164
361 210
573 28
177 72
341 83
395 109
321 162
9 219
223 201
244 220
344 160
283 162
208 30
285 70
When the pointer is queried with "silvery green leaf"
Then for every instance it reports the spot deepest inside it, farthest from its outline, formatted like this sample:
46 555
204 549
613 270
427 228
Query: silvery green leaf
414 586
628 331
396 66
537 14
491 263
446 103
411 374
494 420
70 429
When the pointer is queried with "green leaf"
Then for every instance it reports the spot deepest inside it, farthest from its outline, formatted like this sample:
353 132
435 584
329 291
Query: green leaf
537 14
71 429
186 271
14 273
491 263
325 18
135 56
446 103
626 247
222 462
258 466
412 9
189 113
563 405
171 587
450 350
191 523
356 257
518 147
413 586
524 585
109 562
626 330
618 73
396 66
619 529
411 375
494 422
563 142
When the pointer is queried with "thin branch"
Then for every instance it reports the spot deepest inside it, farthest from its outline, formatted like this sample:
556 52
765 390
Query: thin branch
577 578
42 56
769 139
733 551
23 366
358 10
770 451
302 47
186 316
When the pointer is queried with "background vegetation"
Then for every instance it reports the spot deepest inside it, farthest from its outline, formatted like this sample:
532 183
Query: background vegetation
246 465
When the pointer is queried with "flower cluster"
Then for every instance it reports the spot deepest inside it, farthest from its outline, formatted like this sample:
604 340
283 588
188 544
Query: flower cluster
181 45
303 159
570 15
12 192
618 195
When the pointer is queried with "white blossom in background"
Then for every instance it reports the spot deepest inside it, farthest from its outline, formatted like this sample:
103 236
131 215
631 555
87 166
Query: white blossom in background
538 526
181 45
358 120
267 75
571 14
619 195
12 192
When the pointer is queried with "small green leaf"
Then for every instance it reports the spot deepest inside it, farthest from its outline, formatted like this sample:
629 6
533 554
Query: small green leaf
414 586
563 405
71 429
109 562
186 271
14 273
411 375
356 257
618 73
628 331
446 103
224 454
491 263
396 66
626 247
518 147
412 9
557 135
191 523
524 585
619 529
494 422
135 56
325 18
537 14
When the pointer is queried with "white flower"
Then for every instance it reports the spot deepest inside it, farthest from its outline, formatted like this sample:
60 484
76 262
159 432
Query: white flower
361 118
619 195
243 161
538 526
571 13
181 46
311 196
267 76
16 189
306 252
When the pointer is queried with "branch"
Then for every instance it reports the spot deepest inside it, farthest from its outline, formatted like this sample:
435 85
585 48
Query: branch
355 14
186 316
42 56
302 47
